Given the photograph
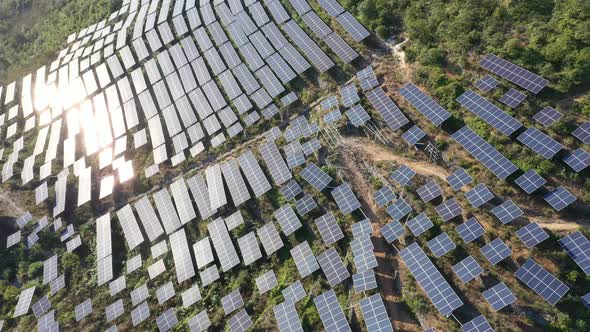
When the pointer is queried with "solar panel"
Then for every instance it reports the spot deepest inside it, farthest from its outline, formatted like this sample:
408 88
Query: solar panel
130 227
156 269
114 310
364 281
512 98
559 198
209 275
49 269
57 284
507 212
392 231
419 224
487 83
294 292
399 209
478 324
547 116
532 234
199 322
139 314
249 248
270 238
362 252
375 314
13 239
470 230
530 181
402 175
232 301
287 219
441 244
540 142
167 320
541 281
182 256
357 115
513 73
332 116
240 322
165 292
183 202
499 296
203 252
586 299
429 191
349 95
166 211
305 204
383 196
235 182
41 307
490 113
305 261
223 244
117 285
479 195
139 294
467 269
459 179
83 309
266 282
356 30
413 135
577 247
345 198
254 174
392 115
583 132
449 209
286 316
331 313
275 163
424 104
291 190
578 160
329 229
315 176
495 251
362 229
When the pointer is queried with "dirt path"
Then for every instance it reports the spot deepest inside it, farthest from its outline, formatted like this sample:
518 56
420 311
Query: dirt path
8 207
401 55
375 153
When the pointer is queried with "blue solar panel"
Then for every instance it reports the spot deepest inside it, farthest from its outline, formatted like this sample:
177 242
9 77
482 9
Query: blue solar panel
459 178
429 191
402 175
484 152
499 296
512 98
560 198
586 300
490 113
392 231
392 115
486 83
541 281
530 181
399 209
383 196
430 279
578 248
583 132
424 104
507 211
441 245
532 234
470 230
419 224
413 135
467 269
578 160
540 142
513 73
479 195
315 176
478 324
449 209
547 116
496 251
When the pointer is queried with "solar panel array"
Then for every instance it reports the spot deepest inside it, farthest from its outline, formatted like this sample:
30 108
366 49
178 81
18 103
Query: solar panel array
578 248
331 313
249 248
499 296
357 115
375 314
512 98
487 83
484 152
560 198
496 251
507 212
424 104
490 113
532 234
467 269
478 324
540 142
513 73
430 279
530 181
